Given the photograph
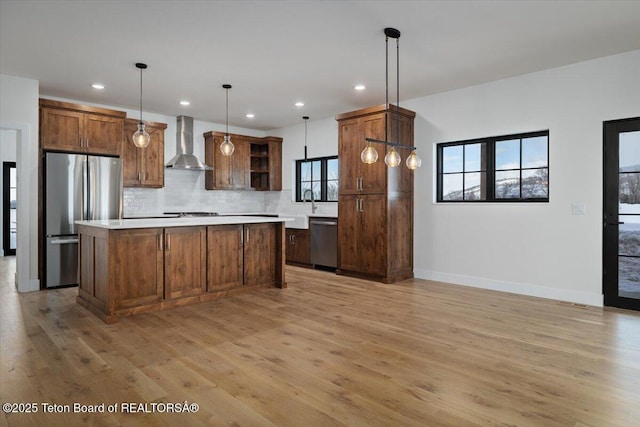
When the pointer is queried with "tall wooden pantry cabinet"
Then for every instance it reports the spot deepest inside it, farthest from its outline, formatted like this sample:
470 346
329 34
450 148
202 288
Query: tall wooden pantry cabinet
375 204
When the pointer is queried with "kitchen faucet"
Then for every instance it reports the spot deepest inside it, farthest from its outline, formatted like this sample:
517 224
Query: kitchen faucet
313 202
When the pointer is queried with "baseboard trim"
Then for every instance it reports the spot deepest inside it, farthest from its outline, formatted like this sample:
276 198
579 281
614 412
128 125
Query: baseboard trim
587 298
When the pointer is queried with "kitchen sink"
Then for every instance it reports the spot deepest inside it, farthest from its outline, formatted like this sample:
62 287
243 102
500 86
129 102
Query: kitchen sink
297 221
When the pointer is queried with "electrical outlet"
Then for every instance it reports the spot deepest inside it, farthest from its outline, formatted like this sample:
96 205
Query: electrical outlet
578 209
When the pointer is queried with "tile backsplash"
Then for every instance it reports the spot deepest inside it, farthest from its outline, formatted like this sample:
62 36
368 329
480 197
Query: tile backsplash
184 191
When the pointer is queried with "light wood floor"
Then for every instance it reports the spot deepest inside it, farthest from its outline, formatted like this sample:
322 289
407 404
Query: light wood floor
327 351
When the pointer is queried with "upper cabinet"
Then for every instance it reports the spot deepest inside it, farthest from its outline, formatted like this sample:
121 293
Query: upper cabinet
80 128
256 163
143 167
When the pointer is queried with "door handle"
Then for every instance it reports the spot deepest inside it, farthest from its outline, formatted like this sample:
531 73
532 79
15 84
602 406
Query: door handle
614 223
247 235
168 242
160 242
61 241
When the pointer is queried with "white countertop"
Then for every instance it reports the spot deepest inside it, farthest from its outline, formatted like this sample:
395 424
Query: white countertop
120 224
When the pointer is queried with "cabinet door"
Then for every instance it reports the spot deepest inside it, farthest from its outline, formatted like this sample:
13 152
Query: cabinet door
103 134
129 153
152 159
61 129
349 225
275 165
372 246
298 246
373 177
349 149
240 166
184 261
260 254
224 257
137 267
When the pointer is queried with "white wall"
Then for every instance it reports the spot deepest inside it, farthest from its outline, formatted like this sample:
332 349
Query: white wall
535 249
8 153
322 140
538 249
19 111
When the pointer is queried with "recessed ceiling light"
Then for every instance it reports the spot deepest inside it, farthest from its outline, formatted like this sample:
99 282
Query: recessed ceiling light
299 104
359 87
250 116
98 86
185 103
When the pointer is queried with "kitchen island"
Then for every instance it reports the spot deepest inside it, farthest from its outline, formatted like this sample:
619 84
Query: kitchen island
135 265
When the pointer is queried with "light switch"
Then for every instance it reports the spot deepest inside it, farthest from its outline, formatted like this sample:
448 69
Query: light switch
578 209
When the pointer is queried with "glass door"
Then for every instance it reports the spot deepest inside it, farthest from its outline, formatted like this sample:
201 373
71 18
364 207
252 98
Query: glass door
621 238
9 208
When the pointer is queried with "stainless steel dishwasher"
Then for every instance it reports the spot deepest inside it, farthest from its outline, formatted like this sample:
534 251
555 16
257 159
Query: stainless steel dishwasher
324 241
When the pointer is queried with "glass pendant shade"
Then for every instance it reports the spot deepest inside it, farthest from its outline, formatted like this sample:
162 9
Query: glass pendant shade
141 138
392 159
369 155
227 147
413 162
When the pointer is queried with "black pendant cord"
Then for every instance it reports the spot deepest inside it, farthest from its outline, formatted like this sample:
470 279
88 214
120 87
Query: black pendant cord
305 118
386 85
227 127
140 95
398 90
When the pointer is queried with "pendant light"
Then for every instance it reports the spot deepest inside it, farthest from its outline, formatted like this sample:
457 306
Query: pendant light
369 154
141 138
227 147
305 118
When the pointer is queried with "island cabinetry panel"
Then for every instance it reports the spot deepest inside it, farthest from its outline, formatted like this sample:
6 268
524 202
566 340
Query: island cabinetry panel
260 254
225 257
127 271
185 251
143 167
298 246
80 129
136 273
241 255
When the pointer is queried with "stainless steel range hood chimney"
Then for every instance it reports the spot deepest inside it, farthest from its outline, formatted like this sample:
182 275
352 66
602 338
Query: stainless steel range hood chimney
184 159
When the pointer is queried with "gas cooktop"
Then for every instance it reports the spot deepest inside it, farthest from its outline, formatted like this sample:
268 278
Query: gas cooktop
192 214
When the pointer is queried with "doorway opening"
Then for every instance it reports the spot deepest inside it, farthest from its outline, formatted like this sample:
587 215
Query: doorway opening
9 208
621 235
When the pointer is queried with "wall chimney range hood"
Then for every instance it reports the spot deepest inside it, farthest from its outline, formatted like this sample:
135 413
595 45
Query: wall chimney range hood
184 158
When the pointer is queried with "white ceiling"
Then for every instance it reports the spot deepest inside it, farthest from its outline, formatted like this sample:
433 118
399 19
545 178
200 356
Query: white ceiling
277 52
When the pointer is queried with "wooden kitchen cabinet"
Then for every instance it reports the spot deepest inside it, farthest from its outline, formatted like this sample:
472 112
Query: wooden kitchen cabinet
225 257
241 255
143 167
80 129
185 261
298 246
375 204
260 254
256 163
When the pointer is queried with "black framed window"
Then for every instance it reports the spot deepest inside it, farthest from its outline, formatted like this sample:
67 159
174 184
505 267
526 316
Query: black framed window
497 169
320 175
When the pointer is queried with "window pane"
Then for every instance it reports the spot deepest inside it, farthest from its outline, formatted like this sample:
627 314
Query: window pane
473 157
305 171
13 192
473 190
629 236
508 184
452 187
304 186
452 159
332 169
630 151
534 152
507 154
316 191
12 178
629 189
316 170
332 190
535 183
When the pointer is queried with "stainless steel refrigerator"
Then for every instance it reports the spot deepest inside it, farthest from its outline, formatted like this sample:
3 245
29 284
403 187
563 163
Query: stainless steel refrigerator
77 187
